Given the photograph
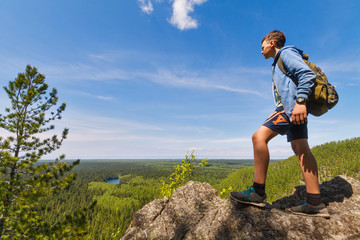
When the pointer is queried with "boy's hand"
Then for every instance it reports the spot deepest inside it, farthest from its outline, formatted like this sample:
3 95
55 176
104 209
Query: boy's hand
299 115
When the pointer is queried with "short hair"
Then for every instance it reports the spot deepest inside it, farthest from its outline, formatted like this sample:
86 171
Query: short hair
277 36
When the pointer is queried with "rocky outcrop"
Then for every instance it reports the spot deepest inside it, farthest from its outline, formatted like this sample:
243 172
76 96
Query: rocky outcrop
195 211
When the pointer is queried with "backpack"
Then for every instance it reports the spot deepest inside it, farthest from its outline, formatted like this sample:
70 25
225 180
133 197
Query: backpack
323 95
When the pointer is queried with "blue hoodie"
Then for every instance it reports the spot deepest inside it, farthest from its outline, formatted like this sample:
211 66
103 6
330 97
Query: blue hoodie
288 91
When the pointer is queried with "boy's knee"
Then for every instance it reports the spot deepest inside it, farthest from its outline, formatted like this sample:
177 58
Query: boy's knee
258 138
294 147
300 146
263 135
255 137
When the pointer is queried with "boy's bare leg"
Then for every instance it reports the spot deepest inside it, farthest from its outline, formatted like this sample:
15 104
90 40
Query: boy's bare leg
260 141
255 195
307 164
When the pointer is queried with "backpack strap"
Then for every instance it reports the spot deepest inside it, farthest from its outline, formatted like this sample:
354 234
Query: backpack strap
282 67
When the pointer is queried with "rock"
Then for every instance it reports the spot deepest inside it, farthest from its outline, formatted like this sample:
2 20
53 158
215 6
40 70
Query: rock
195 211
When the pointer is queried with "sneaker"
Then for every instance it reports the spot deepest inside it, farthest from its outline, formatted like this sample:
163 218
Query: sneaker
310 210
249 196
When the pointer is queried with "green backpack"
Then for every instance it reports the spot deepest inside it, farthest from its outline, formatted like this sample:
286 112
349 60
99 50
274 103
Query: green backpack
323 95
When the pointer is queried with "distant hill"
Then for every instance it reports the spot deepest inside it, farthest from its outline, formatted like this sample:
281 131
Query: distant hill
333 158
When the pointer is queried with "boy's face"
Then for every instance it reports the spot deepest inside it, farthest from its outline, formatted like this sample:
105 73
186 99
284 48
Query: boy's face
268 49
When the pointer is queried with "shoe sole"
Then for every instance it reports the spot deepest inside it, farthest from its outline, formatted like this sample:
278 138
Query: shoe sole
324 215
250 203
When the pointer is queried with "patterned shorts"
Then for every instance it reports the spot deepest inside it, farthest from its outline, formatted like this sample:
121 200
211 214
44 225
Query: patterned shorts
279 122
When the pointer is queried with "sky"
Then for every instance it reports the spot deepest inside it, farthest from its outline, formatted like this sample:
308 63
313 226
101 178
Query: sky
156 79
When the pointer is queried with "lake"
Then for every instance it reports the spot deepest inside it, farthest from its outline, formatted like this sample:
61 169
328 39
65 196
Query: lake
113 180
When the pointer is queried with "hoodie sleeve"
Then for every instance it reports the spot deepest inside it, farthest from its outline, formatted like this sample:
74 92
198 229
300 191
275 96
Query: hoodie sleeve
294 63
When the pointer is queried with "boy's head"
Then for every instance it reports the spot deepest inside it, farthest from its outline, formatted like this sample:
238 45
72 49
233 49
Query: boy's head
271 43
276 36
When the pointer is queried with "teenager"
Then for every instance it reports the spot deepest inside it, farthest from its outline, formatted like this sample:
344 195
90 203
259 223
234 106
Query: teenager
290 118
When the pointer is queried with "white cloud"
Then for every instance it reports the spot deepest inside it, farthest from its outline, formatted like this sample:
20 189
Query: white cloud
217 116
105 67
106 98
181 10
234 140
193 80
93 136
342 66
146 6
83 71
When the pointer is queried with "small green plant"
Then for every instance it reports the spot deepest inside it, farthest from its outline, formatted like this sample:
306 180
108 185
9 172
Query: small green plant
116 235
225 192
183 173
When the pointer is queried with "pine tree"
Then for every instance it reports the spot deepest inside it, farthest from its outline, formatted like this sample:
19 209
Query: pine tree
23 179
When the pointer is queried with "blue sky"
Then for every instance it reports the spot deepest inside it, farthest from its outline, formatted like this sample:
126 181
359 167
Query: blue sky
158 78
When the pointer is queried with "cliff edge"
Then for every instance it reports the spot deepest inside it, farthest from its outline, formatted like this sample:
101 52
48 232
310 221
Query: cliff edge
195 211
